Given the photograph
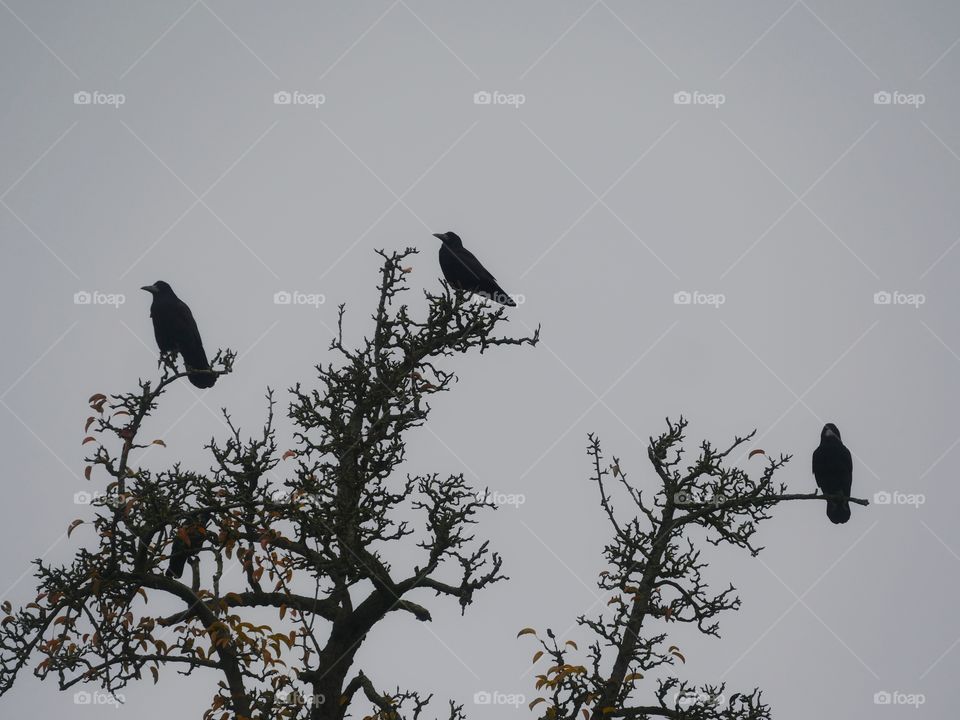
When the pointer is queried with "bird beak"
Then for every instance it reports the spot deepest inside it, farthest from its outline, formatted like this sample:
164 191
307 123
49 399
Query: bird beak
150 288
438 236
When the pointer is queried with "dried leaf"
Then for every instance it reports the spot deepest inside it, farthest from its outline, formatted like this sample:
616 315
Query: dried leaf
527 631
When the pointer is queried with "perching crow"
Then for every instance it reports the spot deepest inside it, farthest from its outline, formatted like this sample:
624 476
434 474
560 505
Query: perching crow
464 272
176 332
833 469
186 543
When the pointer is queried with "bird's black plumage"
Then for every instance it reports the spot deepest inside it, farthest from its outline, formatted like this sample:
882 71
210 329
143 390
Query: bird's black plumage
464 272
833 469
187 542
176 332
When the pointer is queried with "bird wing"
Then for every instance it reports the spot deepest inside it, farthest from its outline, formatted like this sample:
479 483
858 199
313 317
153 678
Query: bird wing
470 263
833 465
847 470
188 336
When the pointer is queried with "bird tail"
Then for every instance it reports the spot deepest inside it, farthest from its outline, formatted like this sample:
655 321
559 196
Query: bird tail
500 295
838 511
202 379
178 561
198 361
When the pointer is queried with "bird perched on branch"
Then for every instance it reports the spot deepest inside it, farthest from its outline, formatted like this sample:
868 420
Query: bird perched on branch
833 470
464 272
187 542
176 332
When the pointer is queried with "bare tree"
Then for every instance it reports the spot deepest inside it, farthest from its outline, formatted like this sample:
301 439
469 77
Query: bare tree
281 634
654 567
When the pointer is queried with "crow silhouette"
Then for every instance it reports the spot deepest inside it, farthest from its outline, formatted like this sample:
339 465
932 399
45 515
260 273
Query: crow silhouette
833 469
186 543
176 332
464 272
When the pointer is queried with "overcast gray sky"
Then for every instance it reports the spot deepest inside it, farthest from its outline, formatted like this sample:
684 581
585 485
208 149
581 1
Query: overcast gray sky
739 151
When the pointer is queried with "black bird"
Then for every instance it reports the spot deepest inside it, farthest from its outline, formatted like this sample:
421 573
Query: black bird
464 272
833 469
186 543
176 332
